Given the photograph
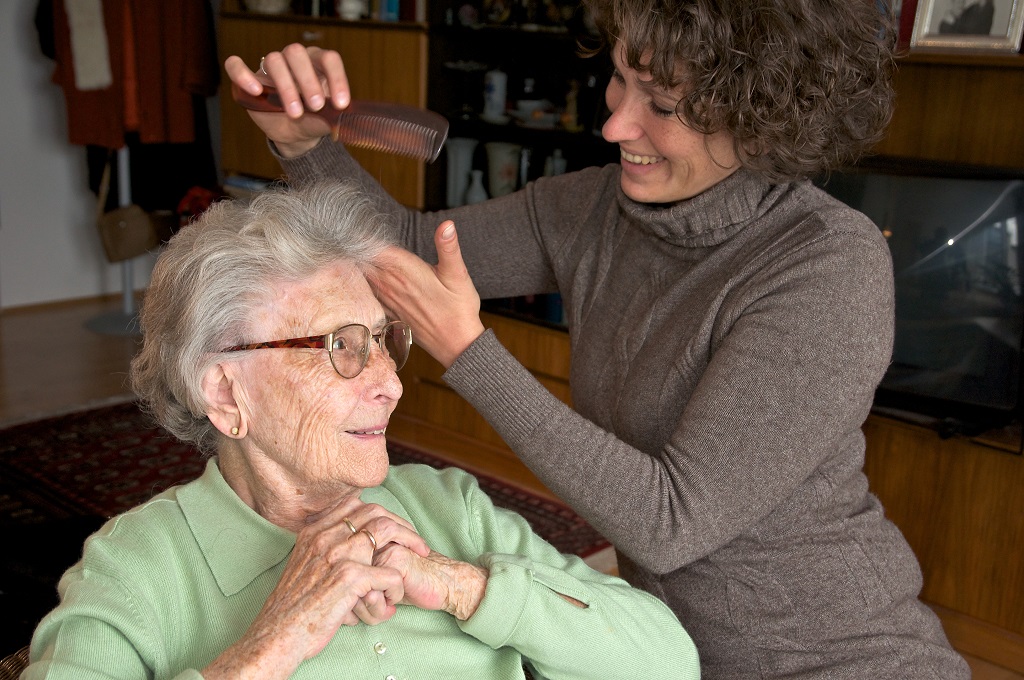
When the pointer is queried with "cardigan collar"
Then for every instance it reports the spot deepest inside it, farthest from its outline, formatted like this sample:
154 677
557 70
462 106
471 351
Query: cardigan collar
237 542
710 217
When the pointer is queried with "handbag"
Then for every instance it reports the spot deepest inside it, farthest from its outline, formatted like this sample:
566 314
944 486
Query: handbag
125 232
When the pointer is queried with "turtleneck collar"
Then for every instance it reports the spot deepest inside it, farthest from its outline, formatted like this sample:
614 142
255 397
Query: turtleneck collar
708 218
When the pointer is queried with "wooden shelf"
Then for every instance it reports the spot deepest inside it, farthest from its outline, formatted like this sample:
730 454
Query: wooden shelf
958 108
962 59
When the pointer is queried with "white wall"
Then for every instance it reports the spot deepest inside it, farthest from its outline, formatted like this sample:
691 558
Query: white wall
49 247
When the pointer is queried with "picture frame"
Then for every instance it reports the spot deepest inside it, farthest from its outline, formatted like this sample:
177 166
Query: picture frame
905 11
960 25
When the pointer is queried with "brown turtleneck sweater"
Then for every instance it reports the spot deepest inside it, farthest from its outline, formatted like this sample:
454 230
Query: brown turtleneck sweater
725 353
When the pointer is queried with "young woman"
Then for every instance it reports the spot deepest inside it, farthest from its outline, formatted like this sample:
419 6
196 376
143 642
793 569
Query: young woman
729 324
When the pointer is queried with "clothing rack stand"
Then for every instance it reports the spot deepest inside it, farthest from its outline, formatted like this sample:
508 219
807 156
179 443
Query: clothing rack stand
125 321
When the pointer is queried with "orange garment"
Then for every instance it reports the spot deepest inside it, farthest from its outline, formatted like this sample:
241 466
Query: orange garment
175 59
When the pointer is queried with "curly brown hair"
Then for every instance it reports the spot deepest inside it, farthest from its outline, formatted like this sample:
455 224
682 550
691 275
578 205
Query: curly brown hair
803 86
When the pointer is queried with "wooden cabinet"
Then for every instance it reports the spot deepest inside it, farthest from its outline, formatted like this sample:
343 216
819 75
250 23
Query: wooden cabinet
959 109
384 61
958 501
572 93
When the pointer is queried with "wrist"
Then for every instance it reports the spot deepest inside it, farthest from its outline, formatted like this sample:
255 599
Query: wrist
252 660
295 149
467 591
455 350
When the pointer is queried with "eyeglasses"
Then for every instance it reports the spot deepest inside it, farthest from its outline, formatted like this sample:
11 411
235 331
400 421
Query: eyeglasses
349 346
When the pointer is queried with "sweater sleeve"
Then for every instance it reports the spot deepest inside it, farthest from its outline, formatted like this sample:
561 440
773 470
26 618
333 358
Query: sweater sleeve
618 630
97 633
793 367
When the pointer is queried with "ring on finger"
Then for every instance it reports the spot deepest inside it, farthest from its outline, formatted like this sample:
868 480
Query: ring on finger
262 70
373 540
350 525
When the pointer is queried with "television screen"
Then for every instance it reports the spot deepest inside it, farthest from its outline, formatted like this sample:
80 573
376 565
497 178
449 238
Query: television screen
954 234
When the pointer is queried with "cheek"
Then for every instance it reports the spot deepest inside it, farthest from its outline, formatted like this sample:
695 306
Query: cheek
296 404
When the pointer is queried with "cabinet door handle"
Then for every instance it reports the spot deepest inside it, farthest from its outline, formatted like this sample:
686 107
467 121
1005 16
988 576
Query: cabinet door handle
311 36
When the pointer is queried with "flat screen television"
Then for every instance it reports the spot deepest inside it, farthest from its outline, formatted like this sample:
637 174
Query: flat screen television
955 237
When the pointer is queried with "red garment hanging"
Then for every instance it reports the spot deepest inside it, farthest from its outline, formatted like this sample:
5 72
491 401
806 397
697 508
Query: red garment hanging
175 59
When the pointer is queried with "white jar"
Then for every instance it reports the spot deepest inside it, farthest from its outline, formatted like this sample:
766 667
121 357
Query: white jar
495 89
351 9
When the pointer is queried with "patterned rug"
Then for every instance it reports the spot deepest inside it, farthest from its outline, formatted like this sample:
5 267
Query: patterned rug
60 478
104 461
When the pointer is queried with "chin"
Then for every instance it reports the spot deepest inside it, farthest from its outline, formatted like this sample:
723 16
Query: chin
642 194
365 468
377 467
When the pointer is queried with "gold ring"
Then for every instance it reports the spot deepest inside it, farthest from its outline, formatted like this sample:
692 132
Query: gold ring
369 536
350 525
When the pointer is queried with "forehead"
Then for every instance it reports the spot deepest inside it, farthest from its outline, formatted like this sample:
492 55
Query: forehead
333 296
642 75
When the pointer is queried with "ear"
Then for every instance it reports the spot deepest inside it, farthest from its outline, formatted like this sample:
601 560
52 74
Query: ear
222 404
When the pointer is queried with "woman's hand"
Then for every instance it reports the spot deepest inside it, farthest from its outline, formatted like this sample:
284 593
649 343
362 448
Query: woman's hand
329 581
305 78
436 582
440 303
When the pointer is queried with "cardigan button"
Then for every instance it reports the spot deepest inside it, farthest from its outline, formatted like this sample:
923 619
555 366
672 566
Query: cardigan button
380 648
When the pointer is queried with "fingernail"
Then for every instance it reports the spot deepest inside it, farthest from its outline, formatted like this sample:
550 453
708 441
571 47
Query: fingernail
448 232
295 108
316 102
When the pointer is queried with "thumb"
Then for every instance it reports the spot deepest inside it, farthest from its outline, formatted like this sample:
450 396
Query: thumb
451 269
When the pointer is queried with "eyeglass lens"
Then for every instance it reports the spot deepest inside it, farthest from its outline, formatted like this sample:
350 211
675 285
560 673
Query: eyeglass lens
351 348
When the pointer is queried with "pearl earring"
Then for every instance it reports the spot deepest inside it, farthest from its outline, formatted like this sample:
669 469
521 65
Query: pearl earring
234 431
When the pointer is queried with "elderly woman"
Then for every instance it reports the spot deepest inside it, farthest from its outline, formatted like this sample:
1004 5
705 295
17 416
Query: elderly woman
299 552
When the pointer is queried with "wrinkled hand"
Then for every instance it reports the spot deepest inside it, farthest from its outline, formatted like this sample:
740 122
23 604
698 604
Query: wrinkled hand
436 582
329 581
300 74
439 302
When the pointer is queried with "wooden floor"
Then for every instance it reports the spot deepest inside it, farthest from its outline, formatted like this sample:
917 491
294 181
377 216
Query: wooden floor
51 362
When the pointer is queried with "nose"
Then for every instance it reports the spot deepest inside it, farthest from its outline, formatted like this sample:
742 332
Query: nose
380 375
622 125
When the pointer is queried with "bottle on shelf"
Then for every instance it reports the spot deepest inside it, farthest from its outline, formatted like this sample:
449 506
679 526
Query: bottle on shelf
495 88
460 162
554 164
476 192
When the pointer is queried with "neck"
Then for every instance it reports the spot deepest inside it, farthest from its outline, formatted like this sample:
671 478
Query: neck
274 493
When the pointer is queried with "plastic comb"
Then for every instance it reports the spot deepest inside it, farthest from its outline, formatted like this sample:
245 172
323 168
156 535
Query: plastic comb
380 126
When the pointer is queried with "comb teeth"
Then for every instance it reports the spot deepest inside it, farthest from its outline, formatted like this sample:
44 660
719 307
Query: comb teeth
381 126
389 135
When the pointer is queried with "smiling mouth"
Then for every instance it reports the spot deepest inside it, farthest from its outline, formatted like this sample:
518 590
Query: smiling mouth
380 431
639 160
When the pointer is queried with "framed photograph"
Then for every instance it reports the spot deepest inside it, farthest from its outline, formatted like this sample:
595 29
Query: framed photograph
971 25
906 10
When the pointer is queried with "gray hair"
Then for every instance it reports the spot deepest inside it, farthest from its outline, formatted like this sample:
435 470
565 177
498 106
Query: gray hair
216 270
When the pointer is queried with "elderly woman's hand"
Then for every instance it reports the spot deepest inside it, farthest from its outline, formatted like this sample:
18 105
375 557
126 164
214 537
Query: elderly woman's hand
440 303
301 74
436 582
329 581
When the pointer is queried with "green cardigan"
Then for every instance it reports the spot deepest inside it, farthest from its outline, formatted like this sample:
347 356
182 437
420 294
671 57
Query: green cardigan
164 588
